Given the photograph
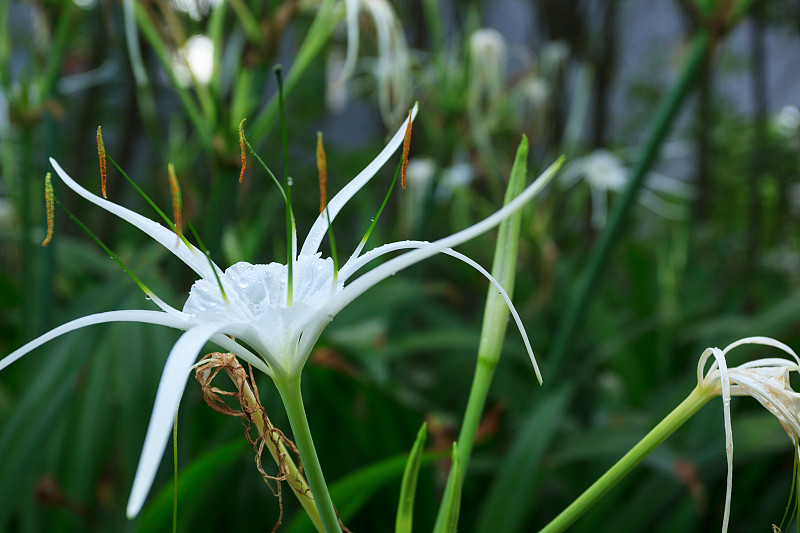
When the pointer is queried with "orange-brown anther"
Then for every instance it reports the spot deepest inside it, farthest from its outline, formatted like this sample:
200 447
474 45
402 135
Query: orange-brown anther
101 155
242 150
177 203
49 202
322 169
406 146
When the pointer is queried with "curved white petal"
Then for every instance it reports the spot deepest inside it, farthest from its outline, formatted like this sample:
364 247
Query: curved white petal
765 341
351 10
726 414
377 252
243 353
194 258
164 306
320 227
148 317
362 284
170 390
314 325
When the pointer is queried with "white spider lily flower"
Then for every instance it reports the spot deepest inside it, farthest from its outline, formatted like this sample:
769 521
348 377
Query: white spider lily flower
605 172
766 380
253 308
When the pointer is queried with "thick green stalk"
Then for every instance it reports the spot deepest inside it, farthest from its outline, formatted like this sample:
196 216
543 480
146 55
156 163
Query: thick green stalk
687 408
666 114
495 321
289 390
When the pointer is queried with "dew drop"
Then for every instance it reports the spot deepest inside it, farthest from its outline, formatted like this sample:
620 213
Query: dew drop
290 181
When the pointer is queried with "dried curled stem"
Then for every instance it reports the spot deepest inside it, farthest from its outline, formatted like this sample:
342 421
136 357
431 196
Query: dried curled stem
252 414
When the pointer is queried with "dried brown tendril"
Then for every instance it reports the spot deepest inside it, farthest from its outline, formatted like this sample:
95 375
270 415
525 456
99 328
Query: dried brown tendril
252 412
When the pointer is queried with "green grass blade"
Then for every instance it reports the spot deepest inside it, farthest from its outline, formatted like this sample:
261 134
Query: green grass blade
194 482
408 487
509 499
451 502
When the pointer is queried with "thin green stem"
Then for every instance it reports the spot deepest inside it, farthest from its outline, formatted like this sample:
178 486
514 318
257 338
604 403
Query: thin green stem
687 408
666 114
289 390
287 185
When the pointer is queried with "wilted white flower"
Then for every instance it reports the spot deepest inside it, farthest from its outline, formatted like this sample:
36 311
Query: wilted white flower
766 380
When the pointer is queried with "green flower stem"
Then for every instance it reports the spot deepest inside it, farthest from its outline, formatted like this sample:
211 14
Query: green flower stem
666 114
687 408
297 481
289 390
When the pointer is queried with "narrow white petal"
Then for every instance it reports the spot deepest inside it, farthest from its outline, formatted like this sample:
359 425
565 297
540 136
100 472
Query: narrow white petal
365 282
377 252
168 397
193 257
766 341
320 227
148 317
725 383
226 343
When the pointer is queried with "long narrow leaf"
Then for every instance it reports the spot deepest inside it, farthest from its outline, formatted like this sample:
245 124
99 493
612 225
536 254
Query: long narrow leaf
408 488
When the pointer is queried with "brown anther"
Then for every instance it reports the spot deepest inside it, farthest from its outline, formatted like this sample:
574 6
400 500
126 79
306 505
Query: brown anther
322 170
101 155
177 202
49 202
242 150
406 147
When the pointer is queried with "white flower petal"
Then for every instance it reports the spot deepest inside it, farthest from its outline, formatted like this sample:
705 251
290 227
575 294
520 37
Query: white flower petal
365 282
766 341
354 265
313 326
168 397
193 257
148 317
320 227
226 343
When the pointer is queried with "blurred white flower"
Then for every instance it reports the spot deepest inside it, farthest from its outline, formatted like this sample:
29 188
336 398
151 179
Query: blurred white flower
766 380
605 172
194 61
419 178
455 177
392 67
488 56
196 9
